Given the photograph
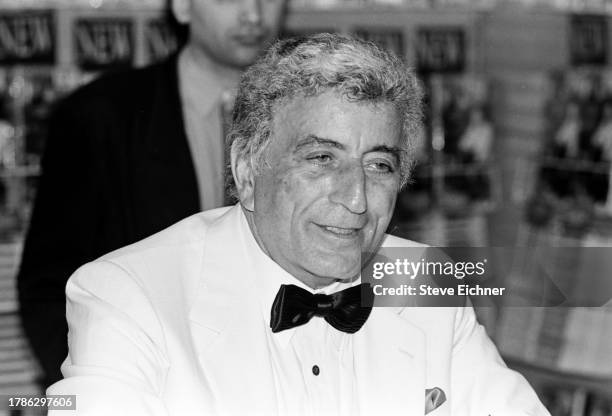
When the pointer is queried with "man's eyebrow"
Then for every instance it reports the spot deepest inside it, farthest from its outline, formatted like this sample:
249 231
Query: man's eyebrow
394 150
312 140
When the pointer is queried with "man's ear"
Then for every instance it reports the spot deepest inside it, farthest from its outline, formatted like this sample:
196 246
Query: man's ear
243 178
181 10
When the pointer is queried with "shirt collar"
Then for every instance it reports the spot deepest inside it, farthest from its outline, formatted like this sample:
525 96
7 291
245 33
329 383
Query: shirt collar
201 90
269 276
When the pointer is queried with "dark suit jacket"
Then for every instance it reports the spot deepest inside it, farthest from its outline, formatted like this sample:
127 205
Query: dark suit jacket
116 169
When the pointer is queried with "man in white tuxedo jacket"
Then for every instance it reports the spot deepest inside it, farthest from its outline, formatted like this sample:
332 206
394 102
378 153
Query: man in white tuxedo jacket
255 308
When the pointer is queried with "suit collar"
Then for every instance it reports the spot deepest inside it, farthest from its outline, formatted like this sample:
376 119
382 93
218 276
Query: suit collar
223 291
390 370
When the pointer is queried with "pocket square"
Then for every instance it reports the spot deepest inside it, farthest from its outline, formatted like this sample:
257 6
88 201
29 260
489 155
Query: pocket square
434 399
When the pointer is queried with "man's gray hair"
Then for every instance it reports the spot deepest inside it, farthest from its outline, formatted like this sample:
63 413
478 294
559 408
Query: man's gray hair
309 66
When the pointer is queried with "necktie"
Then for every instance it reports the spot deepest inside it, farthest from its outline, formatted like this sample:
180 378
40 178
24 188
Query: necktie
294 306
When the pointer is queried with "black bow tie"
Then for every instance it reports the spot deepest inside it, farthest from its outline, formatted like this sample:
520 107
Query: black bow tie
294 306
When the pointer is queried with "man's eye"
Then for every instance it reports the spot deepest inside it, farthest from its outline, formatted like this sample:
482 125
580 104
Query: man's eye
381 167
320 158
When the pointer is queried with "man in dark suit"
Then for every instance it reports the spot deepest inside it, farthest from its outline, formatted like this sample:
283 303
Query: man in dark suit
132 153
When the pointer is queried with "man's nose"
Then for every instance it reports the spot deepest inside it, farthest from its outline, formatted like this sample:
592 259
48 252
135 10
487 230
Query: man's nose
252 11
350 189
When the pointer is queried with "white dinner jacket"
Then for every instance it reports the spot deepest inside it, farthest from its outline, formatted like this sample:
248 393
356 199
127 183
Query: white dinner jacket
146 322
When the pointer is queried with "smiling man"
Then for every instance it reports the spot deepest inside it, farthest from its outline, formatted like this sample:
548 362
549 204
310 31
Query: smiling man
256 308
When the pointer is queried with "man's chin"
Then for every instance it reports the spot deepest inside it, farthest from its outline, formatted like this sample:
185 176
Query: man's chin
244 57
333 271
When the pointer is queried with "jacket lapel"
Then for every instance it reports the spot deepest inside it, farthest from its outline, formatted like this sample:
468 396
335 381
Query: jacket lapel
390 365
222 294
227 326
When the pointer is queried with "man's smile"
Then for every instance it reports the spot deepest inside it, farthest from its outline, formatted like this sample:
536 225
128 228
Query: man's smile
344 233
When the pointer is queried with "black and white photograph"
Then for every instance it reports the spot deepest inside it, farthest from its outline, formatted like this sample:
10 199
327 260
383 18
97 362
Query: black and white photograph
305 207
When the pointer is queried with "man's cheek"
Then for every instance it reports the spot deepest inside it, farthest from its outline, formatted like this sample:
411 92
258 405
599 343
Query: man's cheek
314 181
282 181
381 197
